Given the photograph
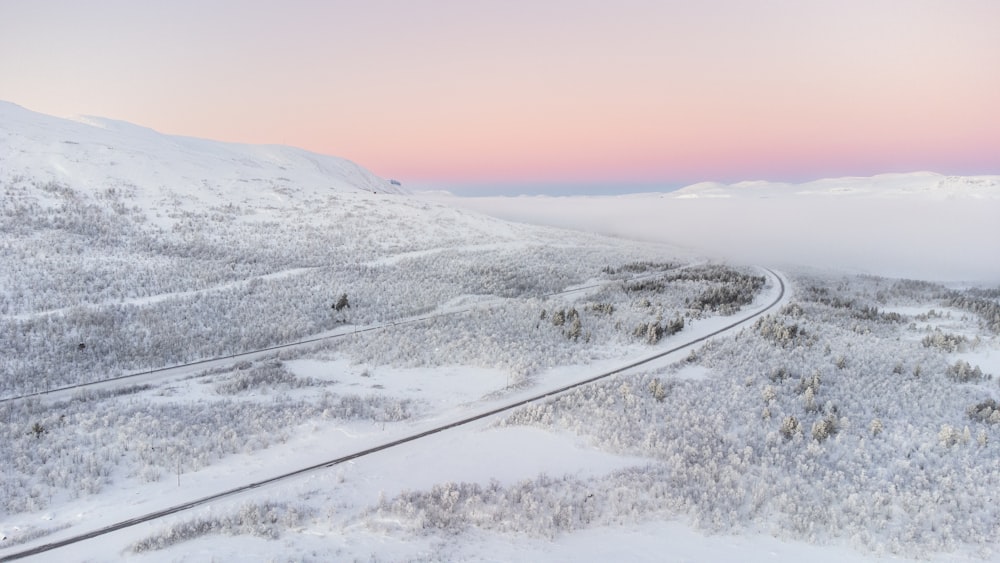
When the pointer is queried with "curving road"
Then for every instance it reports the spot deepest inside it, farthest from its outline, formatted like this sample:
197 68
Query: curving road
337 461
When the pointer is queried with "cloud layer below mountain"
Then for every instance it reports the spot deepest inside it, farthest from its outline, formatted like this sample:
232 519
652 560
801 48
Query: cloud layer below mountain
920 225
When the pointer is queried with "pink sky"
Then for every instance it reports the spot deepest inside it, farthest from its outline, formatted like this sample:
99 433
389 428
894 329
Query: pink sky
481 91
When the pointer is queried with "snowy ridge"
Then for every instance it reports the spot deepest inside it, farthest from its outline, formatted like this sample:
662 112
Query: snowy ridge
95 154
927 185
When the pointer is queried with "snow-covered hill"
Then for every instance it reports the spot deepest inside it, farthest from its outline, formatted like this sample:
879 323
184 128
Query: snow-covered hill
927 186
95 155
101 212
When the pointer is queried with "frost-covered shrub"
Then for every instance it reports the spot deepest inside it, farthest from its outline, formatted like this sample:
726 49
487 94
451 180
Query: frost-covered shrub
726 299
809 400
793 309
654 331
944 341
826 296
264 376
950 436
604 308
983 303
562 316
559 318
264 520
575 329
24 534
824 428
768 394
876 427
773 329
987 411
809 388
645 285
542 507
871 313
720 289
963 372
639 267
779 374
658 390
89 443
790 427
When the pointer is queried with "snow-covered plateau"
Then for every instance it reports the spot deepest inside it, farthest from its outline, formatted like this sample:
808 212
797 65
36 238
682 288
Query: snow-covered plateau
277 355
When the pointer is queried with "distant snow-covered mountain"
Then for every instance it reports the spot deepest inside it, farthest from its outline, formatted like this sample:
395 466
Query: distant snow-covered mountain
95 154
926 185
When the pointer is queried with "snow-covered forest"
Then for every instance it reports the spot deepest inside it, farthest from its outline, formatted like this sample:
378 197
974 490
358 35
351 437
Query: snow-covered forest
254 310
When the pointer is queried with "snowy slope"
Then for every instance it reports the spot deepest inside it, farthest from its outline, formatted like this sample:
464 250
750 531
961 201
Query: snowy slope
101 212
95 154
